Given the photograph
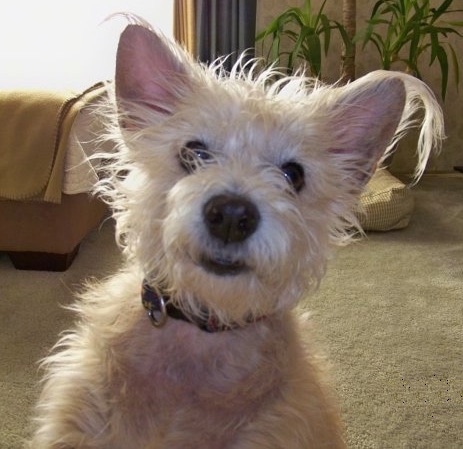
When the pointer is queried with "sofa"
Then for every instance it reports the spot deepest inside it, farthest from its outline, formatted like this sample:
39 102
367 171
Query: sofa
46 205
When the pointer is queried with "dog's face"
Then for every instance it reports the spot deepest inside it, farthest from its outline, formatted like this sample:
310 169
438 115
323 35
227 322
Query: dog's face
234 189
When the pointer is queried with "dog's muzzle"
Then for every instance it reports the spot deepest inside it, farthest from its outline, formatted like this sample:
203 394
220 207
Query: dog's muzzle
229 219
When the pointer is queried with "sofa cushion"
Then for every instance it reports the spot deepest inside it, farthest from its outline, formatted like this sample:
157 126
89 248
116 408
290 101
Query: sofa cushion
386 203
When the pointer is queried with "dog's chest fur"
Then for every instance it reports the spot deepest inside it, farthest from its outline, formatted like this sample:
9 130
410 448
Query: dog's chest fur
228 375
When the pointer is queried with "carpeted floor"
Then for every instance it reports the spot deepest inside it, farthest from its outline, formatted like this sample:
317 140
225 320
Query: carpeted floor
389 315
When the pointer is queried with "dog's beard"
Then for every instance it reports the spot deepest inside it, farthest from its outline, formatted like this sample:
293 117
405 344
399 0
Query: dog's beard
234 299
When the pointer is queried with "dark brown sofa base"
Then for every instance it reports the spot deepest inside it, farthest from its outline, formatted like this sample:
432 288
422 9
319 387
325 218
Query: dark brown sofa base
40 261
46 236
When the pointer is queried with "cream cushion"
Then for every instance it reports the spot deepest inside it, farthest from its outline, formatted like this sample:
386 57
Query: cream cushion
386 203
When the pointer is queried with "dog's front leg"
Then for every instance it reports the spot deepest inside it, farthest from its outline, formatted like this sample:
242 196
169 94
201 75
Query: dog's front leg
300 413
298 421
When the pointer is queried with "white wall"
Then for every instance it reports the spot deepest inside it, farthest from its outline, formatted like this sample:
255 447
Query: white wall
62 44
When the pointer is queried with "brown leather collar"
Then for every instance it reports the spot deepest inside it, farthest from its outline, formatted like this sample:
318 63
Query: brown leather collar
160 308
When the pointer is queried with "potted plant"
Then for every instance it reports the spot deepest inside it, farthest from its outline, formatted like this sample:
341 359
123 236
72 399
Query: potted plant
402 31
306 36
405 31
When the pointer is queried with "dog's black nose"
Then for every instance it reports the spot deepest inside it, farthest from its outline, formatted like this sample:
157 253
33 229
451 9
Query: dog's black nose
230 218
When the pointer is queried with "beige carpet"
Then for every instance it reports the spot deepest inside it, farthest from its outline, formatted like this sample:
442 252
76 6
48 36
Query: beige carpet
389 314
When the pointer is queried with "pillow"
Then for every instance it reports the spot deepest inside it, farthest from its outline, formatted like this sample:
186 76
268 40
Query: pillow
386 203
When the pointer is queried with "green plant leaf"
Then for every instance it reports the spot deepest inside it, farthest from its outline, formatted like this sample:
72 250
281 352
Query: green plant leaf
455 23
376 8
405 30
455 65
434 45
326 28
348 42
444 66
442 9
414 43
304 29
314 49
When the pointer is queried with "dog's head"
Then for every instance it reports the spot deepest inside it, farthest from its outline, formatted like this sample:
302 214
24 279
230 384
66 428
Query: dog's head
230 189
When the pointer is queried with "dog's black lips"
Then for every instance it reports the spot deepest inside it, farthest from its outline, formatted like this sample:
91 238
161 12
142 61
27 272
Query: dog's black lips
223 267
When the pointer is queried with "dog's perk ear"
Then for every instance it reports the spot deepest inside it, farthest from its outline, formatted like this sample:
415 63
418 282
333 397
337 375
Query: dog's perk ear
364 117
149 73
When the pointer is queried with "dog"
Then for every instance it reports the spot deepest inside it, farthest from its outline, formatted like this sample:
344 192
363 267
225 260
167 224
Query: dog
230 192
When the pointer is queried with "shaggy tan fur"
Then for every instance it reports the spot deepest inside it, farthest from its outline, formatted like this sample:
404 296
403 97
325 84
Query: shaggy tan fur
122 384
289 158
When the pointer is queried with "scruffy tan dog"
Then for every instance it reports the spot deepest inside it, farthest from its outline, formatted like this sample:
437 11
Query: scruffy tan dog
229 191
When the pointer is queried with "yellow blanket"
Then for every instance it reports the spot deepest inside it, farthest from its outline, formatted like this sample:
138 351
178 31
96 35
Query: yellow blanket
34 132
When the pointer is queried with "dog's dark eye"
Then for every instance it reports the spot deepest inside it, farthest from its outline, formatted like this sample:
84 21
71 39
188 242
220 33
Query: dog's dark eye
193 155
294 174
